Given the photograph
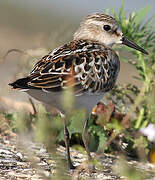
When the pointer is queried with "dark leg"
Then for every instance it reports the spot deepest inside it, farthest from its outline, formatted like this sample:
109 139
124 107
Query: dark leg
66 138
85 138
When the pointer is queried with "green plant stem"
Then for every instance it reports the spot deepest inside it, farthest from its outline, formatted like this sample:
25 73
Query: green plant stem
140 118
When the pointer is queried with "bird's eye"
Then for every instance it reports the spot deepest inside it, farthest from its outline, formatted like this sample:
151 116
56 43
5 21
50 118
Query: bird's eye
106 27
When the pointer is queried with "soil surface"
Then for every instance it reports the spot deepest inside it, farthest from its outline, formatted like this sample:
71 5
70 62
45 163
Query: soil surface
28 160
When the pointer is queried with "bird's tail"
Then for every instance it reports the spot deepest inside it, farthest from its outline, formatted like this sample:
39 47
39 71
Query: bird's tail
20 83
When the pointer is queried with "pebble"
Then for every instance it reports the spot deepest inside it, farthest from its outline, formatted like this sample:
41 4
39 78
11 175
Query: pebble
19 155
47 173
23 167
43 150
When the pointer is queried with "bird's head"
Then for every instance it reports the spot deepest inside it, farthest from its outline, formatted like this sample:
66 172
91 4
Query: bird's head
103 29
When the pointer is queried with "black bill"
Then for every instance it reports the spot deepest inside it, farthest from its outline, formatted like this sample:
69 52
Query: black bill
131 44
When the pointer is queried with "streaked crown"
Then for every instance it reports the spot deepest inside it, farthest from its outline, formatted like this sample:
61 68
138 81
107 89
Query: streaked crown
101 28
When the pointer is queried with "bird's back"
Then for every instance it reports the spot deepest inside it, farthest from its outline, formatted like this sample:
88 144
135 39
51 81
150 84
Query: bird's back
88 67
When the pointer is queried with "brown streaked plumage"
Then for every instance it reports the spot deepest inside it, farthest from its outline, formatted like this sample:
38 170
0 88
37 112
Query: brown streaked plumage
87 63
101 17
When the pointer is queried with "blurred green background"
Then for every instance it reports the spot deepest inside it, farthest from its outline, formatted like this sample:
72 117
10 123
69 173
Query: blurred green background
29 25
37 27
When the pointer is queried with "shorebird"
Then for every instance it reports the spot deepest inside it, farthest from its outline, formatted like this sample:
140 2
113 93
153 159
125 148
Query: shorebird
88 64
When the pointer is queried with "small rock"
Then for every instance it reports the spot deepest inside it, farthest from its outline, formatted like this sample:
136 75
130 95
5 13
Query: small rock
20 156
43 150
47 173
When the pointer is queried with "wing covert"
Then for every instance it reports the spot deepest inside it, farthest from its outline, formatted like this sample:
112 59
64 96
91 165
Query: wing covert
83 65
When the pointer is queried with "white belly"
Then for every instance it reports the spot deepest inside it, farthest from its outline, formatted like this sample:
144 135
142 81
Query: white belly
86 101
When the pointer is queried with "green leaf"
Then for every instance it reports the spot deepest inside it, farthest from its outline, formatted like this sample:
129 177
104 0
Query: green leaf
77 120
140 118
102 141
9 116
115 124
142 14
113 12
122 13
99 132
